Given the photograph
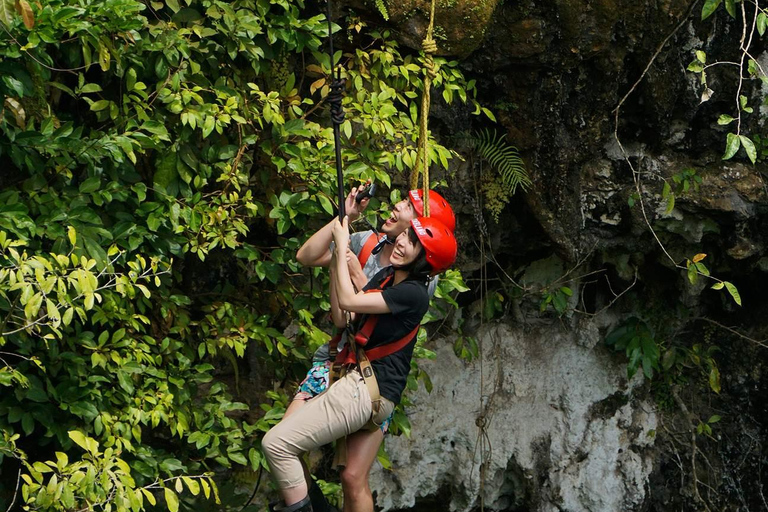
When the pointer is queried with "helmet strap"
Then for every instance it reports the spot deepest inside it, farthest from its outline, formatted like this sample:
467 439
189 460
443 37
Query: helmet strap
384 240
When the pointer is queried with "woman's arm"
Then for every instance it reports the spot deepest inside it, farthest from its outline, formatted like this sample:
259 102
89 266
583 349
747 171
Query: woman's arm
369 303
338 315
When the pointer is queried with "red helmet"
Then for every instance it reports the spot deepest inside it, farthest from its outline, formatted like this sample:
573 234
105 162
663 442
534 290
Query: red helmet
438 242
438 207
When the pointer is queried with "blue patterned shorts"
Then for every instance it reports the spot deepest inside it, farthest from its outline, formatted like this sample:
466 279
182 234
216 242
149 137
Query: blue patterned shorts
316 382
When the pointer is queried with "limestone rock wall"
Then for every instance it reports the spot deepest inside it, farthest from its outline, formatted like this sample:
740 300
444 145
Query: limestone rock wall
563 430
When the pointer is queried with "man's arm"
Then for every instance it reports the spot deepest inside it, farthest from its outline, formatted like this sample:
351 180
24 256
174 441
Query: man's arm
316 251
356 274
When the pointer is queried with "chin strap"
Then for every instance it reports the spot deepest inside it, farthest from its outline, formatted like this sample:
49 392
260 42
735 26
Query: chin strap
384 240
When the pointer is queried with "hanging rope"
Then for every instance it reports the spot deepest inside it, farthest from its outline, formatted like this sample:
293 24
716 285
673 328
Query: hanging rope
429 46
334 99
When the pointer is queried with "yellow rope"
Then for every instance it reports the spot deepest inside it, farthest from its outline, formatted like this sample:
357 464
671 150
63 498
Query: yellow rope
422 159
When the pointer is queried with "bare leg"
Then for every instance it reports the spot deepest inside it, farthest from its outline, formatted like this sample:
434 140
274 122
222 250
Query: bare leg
362 447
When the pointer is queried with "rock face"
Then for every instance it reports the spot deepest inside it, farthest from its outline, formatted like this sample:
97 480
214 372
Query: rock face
565 431
562 430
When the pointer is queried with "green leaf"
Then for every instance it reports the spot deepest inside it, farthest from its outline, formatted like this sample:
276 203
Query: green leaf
724 120
33 306
732 145
7 12
733 291
238 457
710 6
701 56
171 500
718 286
749 147
79 439
692 274
97 106
208 125
104 57
90 185
670 204
714 379
730 7
88 88
165 170
713 419
762 23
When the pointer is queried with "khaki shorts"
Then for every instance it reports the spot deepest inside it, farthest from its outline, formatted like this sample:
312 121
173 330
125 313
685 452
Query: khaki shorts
343 409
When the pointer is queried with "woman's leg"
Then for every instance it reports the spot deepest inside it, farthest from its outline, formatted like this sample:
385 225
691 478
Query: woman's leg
362 448
343 409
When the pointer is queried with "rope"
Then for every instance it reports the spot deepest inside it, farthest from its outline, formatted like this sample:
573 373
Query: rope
334 98
429 46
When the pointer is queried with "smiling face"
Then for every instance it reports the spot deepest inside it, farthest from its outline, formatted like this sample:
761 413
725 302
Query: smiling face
399 219
406 250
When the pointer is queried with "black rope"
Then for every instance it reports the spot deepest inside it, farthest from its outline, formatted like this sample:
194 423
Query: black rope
335 97
255 490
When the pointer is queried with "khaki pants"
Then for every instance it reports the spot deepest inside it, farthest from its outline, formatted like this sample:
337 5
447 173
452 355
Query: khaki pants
343 409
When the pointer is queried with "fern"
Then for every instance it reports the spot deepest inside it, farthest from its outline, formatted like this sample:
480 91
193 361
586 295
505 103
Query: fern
382 7
503 157
505 162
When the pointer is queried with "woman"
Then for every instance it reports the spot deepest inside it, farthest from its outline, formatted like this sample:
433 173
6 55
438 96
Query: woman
426 248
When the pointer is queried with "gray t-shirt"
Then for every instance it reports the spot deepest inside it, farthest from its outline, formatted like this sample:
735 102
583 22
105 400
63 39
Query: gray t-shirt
371 268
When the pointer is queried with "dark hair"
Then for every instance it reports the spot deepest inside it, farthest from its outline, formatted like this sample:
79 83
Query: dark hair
419 269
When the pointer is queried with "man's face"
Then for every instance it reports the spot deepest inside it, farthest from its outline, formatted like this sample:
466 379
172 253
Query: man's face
399 219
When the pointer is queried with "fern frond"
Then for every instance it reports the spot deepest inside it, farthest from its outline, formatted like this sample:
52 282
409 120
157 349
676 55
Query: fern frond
503 157
382 7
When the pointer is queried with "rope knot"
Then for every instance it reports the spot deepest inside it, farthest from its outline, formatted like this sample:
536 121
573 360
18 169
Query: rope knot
335 97
429 46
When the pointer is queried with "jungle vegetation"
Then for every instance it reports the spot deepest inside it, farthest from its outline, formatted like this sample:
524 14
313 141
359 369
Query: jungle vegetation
160 163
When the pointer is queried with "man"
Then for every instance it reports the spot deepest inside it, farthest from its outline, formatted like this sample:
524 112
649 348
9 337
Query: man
368 253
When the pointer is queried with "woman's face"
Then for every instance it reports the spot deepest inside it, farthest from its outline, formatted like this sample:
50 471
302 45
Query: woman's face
405 251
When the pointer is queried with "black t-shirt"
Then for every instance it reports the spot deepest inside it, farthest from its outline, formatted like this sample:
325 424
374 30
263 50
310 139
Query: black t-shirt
408 302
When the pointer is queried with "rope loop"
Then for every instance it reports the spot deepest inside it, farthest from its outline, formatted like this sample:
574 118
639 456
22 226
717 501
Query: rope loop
429 46
335 98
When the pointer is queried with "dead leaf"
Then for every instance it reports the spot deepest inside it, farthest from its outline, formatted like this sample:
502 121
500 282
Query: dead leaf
23 8
18 112
317 84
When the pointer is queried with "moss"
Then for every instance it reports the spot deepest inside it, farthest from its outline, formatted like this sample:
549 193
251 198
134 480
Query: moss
461 23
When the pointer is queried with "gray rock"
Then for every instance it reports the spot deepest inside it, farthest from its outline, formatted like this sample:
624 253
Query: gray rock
563 431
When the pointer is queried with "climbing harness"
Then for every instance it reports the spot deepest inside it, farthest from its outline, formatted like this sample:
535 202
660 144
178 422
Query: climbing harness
354 355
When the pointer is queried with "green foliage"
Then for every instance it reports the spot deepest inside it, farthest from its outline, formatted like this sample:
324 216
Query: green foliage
161 164
682 182
706 428
382 8
558 298
756 22
505 162
697 268
636 339
672 358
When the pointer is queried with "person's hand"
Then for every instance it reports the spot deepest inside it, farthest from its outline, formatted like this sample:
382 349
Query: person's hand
352 207
341 234
353 264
